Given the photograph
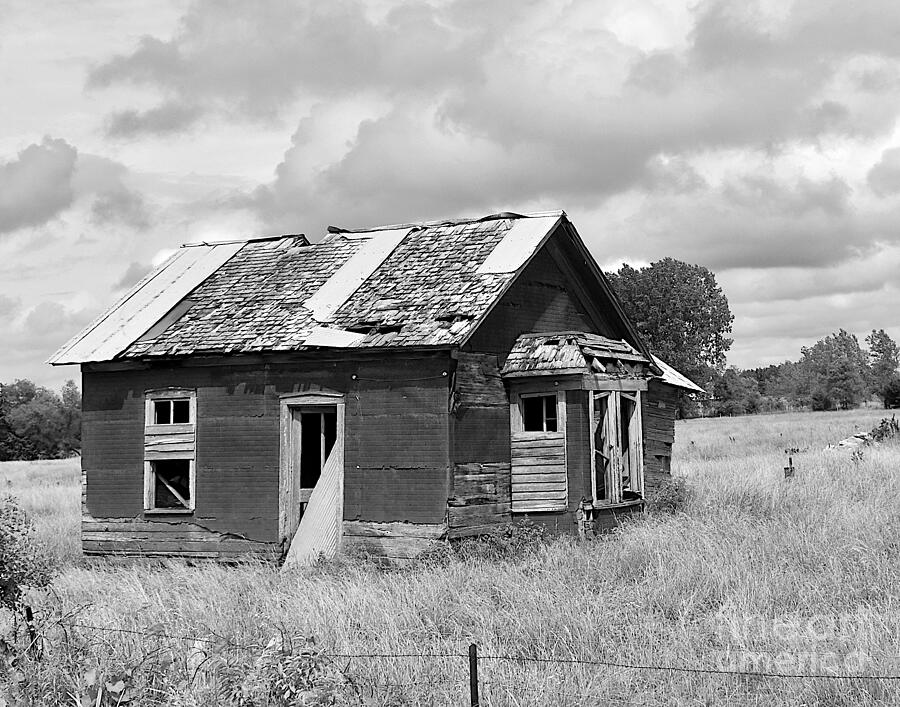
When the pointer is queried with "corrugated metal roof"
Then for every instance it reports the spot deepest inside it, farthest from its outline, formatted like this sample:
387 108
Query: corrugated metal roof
673 377
145 304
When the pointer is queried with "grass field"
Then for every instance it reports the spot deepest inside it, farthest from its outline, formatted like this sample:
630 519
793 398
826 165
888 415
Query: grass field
753 574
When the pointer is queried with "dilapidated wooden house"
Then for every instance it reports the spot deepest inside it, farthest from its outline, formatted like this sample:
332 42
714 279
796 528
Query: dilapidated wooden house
380 388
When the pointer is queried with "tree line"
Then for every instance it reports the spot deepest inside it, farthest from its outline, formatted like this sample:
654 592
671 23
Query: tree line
683 315
834 373
38 423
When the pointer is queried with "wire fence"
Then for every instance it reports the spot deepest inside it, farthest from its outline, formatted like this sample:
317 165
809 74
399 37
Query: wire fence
471 674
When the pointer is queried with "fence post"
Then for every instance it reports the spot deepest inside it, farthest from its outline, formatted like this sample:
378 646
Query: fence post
473 675
33 647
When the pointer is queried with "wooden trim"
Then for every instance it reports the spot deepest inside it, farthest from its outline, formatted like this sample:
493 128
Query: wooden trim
629 385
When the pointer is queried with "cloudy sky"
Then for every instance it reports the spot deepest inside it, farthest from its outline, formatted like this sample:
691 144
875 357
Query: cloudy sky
759 139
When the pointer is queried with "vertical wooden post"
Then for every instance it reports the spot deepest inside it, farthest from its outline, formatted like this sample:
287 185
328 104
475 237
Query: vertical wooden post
33 647
473 675
789 469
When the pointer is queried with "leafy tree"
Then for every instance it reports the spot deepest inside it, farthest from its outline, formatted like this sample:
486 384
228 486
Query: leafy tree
884 358
835 371
736 393
681 312
36 423
890 394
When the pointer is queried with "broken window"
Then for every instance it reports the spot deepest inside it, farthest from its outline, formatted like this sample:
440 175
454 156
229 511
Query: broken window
170 485
618 459
170 426
539 413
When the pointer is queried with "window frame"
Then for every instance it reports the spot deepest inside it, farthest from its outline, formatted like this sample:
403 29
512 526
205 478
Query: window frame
150 488
517 417
171 395
181 446
610 427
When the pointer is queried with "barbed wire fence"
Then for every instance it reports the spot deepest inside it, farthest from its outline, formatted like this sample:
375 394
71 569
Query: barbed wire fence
472 667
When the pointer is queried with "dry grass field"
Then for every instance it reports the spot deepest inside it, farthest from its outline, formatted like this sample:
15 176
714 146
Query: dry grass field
751 574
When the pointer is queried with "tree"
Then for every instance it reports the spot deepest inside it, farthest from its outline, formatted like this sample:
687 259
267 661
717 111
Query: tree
681 312
835 371
884 358
36 423
736 393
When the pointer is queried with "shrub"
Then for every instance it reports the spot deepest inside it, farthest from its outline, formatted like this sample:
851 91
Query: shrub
890 393
22 563
669 497
511 541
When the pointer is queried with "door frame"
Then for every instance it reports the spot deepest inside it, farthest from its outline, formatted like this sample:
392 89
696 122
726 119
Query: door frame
288 514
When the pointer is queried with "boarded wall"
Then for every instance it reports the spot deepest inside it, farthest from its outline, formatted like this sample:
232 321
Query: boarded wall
658 410
479 497
396 448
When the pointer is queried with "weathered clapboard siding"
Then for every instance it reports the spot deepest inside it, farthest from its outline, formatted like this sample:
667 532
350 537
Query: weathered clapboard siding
658 409
479 493
130 536
538 470
396 542
167 445
396 439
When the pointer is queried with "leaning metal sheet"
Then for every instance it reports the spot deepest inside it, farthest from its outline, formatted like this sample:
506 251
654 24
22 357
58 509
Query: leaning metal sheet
145 304
347 279
518 245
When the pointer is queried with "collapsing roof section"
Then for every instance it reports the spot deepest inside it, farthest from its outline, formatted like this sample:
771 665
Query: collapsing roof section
575 352
569 352
423 285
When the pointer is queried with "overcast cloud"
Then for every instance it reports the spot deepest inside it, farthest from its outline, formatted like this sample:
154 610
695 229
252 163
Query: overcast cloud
756 138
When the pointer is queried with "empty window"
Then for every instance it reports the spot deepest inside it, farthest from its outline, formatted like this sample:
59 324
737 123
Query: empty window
170 484
172 412
539 413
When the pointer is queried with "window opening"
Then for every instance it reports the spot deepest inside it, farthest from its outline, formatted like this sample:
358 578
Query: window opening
318 433
539 413
170 484
172 412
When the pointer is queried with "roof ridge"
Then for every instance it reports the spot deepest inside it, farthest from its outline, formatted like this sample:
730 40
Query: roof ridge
248 239
451 222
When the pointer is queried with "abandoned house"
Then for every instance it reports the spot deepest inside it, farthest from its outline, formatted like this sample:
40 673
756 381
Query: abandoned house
380 389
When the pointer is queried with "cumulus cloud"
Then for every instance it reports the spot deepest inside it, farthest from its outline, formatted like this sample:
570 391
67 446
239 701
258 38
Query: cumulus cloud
37 185
255 60
884 177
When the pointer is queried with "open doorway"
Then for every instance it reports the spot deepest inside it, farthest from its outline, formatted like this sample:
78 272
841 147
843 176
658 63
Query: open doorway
313 433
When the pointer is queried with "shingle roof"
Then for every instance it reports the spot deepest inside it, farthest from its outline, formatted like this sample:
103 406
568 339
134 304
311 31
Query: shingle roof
559 353
419 285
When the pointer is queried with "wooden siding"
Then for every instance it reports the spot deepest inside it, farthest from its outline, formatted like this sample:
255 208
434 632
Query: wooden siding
658 409
394 542
134 536
396 440
539 480
479 497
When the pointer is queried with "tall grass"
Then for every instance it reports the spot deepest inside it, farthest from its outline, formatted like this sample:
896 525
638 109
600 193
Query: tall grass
755 573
